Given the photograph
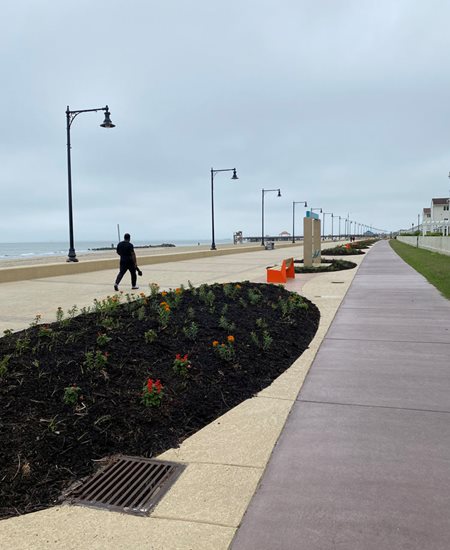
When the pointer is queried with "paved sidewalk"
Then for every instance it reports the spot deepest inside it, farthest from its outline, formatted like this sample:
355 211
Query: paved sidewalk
363 462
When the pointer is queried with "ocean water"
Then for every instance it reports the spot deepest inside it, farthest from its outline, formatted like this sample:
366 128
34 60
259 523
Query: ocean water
12 251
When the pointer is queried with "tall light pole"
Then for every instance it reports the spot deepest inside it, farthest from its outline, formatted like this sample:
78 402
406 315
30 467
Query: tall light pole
70 116
339 227
293 217
213 173
264 191
332 226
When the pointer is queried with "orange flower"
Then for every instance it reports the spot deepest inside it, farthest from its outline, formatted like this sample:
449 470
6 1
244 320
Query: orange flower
163 293
178 290
163 304
230 339
237 286
167 307
215 343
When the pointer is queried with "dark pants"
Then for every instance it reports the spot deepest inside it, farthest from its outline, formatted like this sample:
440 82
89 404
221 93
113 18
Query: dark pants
124 267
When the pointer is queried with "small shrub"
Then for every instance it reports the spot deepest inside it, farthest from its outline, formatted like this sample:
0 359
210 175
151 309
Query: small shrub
150 336
103 339
225 350
152 393
71 395
95 360
181 364
4 365
191 330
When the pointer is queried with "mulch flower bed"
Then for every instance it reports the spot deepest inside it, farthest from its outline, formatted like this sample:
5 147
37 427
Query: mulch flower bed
332 265
136 375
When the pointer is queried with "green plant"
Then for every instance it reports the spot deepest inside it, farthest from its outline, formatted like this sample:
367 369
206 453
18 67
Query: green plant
163 314
72 312
4 365
110 303
190 312
152 393
181 364
140 313
225 324
243 302
36 320
45 331
154 289
261 323
95 360
290 304
22 344
254 295
103 339
71 395
150 336
225 350
190 330
7 332
109 323
264 341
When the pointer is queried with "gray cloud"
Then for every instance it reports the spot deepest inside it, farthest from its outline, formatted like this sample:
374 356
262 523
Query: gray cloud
343 104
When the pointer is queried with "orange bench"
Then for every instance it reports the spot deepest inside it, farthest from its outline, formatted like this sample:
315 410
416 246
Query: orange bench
281 273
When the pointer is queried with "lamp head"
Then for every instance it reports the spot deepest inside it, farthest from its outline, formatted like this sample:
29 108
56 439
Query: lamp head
234 176
107 122
279 193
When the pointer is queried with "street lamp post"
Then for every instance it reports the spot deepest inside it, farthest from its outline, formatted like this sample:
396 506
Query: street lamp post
213 173
293 217
339 227
264 191
332 226
70 116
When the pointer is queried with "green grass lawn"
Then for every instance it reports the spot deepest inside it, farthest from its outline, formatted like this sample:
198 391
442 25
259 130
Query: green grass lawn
433 266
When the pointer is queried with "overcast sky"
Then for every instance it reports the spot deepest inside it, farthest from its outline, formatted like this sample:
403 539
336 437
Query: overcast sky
343 103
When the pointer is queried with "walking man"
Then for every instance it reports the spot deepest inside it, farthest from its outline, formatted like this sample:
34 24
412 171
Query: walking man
128 262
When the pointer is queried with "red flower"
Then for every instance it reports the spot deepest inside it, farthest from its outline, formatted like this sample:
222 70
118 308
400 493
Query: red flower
150 385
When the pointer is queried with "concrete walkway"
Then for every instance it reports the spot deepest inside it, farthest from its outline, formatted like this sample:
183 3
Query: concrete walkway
363 462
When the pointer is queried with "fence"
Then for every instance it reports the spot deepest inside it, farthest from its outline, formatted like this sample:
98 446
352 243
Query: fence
435 244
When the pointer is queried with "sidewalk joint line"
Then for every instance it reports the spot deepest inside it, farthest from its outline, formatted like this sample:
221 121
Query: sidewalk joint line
192 521
371 406
390 341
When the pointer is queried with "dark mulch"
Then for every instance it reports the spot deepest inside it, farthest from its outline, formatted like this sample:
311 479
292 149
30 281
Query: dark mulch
49 442
342 250
332 265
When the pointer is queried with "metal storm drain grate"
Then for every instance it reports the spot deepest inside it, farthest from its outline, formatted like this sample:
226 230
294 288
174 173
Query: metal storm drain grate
128 484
